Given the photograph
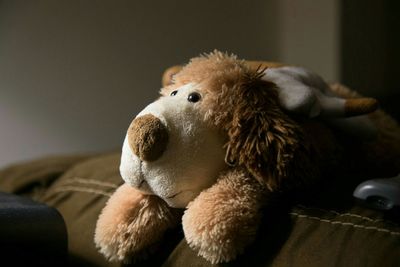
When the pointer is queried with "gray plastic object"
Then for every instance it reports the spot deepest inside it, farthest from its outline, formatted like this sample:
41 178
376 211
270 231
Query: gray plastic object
382 194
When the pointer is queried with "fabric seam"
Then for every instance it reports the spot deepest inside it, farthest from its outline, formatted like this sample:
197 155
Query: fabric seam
359 226
90 181
81 189
298 215
347 214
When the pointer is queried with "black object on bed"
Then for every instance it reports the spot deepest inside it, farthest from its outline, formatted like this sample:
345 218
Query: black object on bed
31 233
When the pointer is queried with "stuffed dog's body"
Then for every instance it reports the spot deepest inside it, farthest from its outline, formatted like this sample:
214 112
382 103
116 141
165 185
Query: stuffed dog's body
221 139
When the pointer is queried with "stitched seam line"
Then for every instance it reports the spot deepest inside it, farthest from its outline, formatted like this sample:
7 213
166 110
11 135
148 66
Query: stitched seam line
82 189
359 226
343 214
91 181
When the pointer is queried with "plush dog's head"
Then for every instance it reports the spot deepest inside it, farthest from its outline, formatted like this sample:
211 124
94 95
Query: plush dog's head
170 150
216 114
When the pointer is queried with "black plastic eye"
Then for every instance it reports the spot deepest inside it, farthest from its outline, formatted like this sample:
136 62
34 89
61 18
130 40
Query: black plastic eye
174 92
194 97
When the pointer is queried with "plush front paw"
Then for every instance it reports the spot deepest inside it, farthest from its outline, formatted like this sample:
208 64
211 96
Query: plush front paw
131 223
221 222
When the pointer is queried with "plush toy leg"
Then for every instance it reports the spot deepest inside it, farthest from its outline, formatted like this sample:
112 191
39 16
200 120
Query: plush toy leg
224 219
131 222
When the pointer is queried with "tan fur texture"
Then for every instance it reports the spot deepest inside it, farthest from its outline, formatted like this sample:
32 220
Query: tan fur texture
168 75
224 219
262 138
131 222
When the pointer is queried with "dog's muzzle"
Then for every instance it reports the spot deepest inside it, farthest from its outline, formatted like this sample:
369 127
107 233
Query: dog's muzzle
148 137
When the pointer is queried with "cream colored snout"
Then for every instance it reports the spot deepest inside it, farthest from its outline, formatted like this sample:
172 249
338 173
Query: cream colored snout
171 151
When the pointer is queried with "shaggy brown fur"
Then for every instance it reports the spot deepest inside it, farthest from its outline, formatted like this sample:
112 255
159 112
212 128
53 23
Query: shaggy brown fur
168 75
262 138
224 219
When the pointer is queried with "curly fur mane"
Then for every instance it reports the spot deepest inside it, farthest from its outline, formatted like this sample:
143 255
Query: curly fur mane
261 137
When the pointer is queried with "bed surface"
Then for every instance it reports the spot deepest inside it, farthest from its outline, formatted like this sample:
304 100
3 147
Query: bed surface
326 229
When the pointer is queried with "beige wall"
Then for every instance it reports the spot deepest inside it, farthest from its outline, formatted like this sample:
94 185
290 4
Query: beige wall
74 73
309 35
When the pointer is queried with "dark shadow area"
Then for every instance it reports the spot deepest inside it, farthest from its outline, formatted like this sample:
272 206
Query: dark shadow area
370 54
274 231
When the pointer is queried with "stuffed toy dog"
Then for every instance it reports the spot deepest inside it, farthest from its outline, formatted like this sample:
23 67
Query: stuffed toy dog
224 136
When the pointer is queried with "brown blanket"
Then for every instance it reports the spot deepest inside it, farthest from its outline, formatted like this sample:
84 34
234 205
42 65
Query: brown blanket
328 229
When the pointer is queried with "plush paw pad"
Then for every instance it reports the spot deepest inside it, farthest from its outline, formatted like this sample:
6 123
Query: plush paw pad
131 232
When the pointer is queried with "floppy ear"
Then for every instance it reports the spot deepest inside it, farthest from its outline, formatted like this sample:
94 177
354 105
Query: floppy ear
168 75
262 138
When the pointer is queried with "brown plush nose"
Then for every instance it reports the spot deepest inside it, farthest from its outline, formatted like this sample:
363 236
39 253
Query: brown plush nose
148 137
